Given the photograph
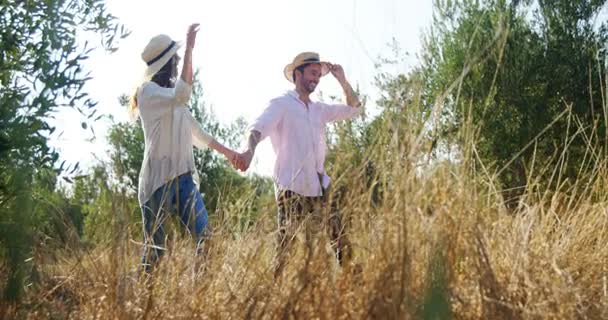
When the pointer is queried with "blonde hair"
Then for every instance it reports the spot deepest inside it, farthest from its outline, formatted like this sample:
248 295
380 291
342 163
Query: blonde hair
133 107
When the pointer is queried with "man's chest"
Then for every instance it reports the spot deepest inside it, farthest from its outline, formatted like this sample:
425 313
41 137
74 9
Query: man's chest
301 118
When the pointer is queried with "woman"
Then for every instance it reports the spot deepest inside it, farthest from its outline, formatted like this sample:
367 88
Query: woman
165 179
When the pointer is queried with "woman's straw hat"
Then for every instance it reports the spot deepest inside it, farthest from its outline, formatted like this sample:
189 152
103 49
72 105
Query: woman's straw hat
159 50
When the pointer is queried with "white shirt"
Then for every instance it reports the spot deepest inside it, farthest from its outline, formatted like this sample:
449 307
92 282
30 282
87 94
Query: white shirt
297 134
169 132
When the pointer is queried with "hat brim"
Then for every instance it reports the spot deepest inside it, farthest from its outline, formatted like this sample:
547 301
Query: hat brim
152 69
288 70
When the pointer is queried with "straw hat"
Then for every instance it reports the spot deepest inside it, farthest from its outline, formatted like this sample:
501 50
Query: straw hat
304 58
156 54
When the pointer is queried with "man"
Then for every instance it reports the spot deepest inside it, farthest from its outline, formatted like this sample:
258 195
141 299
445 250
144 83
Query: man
296 127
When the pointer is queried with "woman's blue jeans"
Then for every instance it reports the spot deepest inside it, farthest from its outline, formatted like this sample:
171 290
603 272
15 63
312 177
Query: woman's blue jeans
177 196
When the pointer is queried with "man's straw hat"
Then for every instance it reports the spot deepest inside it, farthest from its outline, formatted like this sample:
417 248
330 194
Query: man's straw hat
304 58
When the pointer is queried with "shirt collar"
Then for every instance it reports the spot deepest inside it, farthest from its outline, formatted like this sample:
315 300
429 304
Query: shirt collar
294 94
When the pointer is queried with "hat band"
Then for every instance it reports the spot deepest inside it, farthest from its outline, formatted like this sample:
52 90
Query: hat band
311 60
162 53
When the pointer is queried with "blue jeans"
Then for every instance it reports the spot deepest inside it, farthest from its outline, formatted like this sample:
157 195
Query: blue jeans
179 195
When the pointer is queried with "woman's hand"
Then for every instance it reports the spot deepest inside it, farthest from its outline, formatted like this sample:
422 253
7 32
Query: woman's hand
190 41
232 157
191 36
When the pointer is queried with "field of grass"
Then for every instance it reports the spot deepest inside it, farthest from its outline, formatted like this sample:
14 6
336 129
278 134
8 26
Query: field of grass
432 243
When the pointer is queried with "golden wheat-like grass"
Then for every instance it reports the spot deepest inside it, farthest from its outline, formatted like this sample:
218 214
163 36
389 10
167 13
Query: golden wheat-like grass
438 245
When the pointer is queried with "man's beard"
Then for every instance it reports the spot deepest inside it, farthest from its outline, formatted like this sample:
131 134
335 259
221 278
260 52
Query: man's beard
310 87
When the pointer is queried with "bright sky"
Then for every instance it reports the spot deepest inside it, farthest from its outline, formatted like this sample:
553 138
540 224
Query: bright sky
241 49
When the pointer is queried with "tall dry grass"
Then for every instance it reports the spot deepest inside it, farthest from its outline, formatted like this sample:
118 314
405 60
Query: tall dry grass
435 242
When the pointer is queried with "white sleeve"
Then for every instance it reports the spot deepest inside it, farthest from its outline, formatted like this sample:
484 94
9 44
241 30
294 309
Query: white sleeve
337 112
200 138
269 119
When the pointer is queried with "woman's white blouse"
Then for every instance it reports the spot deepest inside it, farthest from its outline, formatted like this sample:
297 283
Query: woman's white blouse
170 131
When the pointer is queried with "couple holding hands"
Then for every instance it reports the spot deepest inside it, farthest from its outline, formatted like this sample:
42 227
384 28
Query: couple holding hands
294 123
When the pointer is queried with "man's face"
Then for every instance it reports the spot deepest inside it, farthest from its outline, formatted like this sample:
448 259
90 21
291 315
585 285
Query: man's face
309 79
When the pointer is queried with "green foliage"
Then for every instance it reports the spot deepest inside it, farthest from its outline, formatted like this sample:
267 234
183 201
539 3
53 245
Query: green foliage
94 196
40 71
525 85
58 222
15 236
436 300
127 152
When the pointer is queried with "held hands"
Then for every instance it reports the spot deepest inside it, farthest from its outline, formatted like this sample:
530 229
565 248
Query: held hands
191 36
239 161
232 157
243 160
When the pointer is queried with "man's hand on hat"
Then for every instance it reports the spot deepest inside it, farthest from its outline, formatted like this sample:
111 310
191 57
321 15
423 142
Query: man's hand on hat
337 71
191 36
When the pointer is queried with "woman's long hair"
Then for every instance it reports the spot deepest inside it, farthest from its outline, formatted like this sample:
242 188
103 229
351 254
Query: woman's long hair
164 78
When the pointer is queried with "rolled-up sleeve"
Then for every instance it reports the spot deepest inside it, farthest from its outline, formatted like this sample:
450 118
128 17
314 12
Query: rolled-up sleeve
183 92
269 119
338 112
